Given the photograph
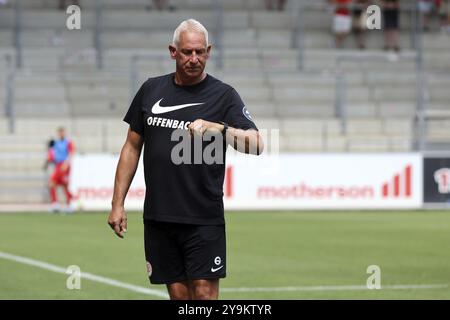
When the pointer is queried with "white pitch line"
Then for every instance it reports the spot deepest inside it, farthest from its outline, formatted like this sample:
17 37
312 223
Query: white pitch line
153 292
335 288
84 275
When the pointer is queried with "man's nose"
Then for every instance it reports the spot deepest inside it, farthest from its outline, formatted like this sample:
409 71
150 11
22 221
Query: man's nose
193 58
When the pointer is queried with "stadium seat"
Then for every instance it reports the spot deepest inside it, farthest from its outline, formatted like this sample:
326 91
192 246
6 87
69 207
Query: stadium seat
59 83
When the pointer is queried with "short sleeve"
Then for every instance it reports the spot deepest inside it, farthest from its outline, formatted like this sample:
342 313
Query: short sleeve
237 114
134 113
70 147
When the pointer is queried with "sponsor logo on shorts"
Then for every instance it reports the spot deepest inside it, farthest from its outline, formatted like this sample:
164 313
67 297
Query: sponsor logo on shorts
216 269
217 261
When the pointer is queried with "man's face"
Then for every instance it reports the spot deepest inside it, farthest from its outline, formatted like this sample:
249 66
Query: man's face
191 54
61 133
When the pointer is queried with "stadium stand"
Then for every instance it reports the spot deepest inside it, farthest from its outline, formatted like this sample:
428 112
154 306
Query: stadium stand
320 98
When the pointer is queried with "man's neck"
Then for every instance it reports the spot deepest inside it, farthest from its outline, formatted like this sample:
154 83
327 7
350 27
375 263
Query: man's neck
184 81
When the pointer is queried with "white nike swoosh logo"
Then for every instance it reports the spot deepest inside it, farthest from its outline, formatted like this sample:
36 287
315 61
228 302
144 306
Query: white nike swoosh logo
215 269
157 109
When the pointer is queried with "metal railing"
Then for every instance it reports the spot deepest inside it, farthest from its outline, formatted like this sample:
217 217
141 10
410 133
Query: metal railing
9 93
134 70
97 34
298 33
422 88
17 32
218 43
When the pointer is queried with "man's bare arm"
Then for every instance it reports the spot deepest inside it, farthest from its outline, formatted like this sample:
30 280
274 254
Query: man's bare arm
246 141
126 168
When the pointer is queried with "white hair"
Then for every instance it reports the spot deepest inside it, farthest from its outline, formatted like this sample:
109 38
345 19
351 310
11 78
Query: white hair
189 25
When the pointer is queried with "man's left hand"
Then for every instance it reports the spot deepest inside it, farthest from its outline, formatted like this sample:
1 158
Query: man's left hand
64 166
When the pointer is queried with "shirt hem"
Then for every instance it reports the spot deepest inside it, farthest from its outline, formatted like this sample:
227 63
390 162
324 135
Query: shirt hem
213 222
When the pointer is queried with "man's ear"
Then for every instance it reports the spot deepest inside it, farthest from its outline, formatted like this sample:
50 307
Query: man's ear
208 50
173 51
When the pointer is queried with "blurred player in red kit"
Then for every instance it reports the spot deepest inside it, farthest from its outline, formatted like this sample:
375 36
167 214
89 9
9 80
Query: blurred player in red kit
60 154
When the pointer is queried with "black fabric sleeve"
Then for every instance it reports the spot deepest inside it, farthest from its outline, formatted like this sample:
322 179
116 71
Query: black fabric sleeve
134 113
237 115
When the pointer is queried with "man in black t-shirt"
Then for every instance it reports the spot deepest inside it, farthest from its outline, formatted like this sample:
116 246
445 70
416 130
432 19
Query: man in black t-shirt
185 120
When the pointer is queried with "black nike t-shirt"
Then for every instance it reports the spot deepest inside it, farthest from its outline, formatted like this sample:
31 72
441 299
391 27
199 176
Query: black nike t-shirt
187 189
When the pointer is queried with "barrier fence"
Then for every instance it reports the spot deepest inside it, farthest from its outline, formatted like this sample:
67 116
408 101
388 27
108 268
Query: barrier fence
294 182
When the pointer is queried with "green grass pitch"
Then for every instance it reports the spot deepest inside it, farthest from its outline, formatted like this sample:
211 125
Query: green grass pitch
264 250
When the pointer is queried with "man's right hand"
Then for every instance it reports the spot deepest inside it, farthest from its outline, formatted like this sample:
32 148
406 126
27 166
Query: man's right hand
117 220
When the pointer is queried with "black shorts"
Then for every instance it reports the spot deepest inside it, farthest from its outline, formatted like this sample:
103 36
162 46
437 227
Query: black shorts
177 252
391 19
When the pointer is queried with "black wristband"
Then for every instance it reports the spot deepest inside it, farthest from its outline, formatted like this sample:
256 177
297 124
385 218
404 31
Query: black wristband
225 128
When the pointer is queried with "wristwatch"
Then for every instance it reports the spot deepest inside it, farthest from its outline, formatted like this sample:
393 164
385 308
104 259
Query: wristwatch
225 128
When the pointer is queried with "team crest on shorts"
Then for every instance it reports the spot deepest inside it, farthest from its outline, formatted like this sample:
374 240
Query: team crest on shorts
149 269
